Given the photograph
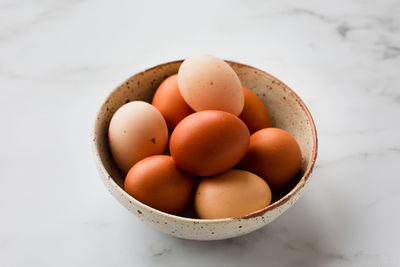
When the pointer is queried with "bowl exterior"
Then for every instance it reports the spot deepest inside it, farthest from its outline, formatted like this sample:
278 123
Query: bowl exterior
287 111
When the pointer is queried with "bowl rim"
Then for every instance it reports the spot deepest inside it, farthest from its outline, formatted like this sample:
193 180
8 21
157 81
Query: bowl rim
300 184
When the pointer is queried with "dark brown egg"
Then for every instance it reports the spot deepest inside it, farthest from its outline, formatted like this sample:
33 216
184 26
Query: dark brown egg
255 114
274 155
157 182
209 142
169 101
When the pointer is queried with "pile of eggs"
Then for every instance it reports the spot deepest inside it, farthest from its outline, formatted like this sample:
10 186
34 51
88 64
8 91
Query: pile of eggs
206 140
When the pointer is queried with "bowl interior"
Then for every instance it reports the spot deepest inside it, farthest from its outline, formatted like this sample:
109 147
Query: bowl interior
287 111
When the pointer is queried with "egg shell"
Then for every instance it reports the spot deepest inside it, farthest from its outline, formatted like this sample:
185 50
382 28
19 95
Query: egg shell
255 114
137 130
274 155
234 193
157 182
209 83
209 142
169 101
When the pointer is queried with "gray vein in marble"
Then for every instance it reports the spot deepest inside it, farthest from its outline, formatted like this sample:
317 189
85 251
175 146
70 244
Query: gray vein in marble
343 30
345 25
312 254
301 11
390 51
386 91
311 248
388 23
162 252
236 242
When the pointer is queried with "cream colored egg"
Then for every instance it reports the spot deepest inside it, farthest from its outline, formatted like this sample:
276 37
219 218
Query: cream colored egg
209 83
234 193
137 130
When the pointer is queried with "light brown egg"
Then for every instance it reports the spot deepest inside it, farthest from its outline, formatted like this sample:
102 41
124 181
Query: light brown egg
137 130
209 142
169 101
158 183
234 193
209 83
274 155
255 114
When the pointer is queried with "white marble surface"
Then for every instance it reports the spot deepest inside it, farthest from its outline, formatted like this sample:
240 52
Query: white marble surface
59 60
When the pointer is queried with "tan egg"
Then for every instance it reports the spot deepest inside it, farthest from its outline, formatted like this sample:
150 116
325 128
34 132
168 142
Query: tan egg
137 130
209 83
234 193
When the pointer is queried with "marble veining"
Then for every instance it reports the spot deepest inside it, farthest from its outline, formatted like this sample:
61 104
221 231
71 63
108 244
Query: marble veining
60 59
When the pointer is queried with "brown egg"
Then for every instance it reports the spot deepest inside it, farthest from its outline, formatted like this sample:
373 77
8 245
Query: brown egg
273 155
209 83
234 193
137 130
169 101
255 115
158 183
209 142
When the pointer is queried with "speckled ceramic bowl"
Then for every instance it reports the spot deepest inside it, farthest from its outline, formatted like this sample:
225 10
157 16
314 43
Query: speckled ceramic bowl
287 111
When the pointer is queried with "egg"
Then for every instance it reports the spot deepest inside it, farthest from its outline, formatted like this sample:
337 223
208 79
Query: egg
209 83
274 155
169 101
209 142
137 130
234 193
158 183
255 115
